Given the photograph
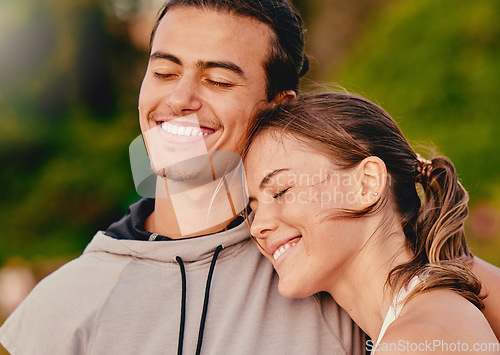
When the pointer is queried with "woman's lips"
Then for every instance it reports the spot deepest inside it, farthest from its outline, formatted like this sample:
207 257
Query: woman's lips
283 248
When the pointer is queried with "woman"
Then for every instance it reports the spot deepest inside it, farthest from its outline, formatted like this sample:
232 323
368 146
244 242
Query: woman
332 183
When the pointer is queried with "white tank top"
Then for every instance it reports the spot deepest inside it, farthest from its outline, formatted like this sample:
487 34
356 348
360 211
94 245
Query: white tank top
395 308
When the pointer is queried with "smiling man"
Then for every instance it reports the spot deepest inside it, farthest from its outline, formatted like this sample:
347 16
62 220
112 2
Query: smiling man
197 98
179 273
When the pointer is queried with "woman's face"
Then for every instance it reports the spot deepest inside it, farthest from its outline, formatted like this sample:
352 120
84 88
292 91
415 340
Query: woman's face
297 194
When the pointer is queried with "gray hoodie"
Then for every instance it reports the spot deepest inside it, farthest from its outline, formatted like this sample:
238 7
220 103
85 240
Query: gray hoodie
128 297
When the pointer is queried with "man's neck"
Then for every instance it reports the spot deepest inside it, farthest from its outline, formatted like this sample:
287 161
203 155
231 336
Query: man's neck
194 212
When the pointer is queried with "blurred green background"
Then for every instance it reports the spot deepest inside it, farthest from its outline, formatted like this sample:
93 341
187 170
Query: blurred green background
70 73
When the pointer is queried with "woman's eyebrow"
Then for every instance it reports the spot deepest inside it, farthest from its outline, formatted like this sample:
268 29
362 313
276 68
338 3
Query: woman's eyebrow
269 176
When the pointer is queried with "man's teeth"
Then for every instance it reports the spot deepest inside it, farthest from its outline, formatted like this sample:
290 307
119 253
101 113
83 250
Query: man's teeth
282 249
181 130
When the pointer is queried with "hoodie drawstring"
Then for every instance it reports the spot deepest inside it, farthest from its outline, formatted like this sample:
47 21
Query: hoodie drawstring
205 302
183 306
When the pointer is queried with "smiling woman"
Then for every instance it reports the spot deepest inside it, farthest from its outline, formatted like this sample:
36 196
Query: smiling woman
337 210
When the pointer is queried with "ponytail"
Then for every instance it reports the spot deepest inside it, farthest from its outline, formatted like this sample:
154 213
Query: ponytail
443 212
440 249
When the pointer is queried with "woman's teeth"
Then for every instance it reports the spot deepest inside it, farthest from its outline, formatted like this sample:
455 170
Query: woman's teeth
182 130
282 249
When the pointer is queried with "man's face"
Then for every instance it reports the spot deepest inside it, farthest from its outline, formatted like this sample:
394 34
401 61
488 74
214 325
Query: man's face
204 81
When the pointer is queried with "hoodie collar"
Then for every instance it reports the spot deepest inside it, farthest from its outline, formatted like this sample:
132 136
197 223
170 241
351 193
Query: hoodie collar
131 226
190 249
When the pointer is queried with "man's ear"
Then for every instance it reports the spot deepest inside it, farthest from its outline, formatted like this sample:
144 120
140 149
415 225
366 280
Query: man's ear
372 174
284 96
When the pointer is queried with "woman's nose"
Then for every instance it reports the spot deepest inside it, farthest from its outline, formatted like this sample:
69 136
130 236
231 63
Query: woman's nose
263 223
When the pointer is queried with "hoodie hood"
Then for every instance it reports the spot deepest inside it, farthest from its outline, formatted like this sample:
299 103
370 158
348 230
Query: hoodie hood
190 249
131 226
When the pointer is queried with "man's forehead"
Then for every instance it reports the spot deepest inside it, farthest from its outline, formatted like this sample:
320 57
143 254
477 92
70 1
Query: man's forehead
211 27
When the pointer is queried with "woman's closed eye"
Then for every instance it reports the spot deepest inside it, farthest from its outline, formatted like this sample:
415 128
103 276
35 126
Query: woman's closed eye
281 193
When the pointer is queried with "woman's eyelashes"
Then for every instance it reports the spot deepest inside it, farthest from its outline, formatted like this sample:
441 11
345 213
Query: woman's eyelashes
281 192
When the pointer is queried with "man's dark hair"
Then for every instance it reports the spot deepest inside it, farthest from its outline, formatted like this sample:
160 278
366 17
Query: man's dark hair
286 61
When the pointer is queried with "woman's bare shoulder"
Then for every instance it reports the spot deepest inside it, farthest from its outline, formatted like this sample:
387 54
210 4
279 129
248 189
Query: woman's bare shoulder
439 321
489 275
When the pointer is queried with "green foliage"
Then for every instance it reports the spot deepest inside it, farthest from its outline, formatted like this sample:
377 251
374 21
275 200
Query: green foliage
433 65
69 80
62 187
66 119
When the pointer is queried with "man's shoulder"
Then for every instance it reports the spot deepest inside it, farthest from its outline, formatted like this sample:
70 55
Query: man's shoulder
64 304
86 278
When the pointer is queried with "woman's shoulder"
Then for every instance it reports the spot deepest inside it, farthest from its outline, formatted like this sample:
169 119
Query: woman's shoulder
489 275
440 321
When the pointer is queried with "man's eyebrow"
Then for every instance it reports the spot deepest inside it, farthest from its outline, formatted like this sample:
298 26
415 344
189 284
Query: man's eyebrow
269 176
166 56
224 65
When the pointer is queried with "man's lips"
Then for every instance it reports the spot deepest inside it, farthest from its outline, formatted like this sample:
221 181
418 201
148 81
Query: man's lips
279 248
184 129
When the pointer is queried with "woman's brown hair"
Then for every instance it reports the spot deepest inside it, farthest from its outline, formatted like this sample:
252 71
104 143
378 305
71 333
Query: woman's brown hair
348 128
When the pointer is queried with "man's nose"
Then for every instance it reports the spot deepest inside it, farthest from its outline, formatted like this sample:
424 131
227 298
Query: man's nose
184 97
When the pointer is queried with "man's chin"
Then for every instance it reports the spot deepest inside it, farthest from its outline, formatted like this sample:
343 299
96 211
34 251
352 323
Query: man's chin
192 175
177 175
200 170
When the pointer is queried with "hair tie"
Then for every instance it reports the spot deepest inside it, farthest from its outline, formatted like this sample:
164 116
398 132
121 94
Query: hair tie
424 168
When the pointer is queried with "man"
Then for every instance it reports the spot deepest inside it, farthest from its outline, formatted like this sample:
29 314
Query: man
179 273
